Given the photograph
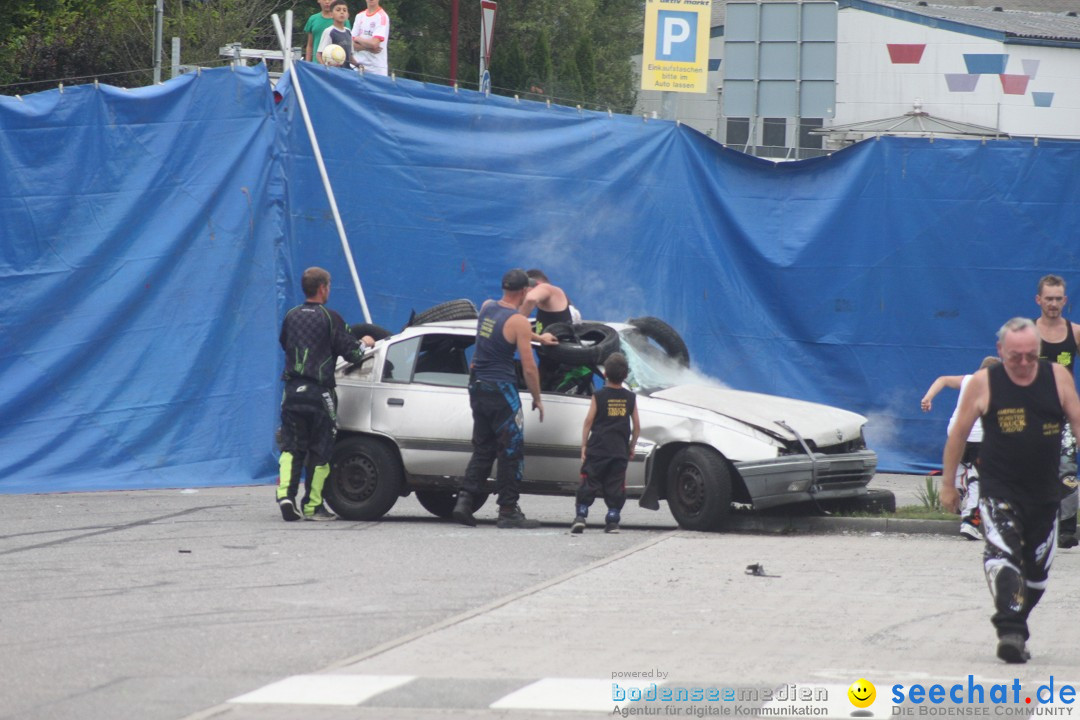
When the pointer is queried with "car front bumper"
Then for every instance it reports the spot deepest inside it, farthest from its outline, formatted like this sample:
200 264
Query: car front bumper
800 478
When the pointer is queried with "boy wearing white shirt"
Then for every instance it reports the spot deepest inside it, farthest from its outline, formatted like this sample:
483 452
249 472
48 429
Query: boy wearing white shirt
371 33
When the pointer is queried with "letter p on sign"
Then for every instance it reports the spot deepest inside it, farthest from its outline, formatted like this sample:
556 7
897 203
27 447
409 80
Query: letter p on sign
677 37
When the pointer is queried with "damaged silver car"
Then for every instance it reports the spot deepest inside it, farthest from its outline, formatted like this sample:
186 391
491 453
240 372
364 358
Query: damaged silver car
405 426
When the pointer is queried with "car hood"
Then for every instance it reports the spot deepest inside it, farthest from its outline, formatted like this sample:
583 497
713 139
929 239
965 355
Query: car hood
822 424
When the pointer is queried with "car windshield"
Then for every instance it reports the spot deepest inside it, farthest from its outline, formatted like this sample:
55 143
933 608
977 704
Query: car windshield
650 367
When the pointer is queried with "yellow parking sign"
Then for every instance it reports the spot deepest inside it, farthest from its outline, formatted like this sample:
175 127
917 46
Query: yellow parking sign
675 56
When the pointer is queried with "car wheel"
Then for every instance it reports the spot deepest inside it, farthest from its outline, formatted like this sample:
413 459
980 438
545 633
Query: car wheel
462 309
440 503
699 488
365 478
665 336
582 344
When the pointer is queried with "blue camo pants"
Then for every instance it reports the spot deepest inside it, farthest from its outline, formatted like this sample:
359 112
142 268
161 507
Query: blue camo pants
498 433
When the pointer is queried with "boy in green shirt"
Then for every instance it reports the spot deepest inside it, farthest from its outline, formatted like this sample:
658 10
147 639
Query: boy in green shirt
317 24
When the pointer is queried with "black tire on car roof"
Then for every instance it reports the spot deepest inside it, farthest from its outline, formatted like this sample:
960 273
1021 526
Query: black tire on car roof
665 336
461 309
377 332
587 343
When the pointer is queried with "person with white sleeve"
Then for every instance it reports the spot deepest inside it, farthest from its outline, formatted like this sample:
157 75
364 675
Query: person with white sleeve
371 35
967 474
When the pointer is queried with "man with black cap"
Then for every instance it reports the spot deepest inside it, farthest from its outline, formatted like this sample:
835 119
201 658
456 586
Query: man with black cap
498 423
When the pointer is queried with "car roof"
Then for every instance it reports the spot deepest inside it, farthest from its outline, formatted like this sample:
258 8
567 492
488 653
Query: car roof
470 326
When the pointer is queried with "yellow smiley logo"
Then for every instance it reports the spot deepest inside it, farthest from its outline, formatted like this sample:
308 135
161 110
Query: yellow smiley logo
862 693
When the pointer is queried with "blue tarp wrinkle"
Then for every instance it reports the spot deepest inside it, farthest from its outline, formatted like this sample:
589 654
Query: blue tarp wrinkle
151 240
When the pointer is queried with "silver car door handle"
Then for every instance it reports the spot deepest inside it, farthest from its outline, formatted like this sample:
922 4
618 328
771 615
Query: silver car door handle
395 401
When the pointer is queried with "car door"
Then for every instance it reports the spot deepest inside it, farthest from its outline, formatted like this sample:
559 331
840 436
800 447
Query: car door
422 402
553 447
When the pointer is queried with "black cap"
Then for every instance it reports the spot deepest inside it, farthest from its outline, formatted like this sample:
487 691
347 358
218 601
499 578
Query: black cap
514 280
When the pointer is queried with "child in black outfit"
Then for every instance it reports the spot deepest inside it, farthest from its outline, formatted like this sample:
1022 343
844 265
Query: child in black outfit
607 444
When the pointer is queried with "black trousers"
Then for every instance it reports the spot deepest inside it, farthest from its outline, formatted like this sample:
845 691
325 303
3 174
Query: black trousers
308 431
498 433
603 476
1020 546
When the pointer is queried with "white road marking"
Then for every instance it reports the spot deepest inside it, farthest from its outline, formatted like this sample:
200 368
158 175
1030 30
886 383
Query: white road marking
324 689
579 694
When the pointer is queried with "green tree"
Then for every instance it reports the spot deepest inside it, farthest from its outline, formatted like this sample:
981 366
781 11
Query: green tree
586 65
577 50
509 68
541 67
568 86
113 40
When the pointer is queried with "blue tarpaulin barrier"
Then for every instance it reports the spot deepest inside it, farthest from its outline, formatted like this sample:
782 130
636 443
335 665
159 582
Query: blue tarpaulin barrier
138 330
151 240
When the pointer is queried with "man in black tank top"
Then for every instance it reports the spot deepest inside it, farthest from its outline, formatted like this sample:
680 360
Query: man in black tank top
552 306
1023 404
551 303
1059 345
498 422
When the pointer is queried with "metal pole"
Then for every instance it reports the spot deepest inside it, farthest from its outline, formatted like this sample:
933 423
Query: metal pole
669 103
322 168
453 40
175 69
159 22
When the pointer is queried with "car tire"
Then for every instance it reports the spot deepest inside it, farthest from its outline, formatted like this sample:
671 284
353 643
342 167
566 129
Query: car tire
376 332
699 488
665 336
365 478
586 343
462 309
440 503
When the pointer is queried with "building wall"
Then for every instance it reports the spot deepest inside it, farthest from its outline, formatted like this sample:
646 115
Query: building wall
1038 92
1019 89
698 110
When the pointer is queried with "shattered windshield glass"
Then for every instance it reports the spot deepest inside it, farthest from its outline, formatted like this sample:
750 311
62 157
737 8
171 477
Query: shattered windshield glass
650 367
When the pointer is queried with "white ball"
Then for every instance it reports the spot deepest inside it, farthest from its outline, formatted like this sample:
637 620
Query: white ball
334 55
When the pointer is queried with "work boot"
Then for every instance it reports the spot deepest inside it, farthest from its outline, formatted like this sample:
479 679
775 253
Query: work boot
1011 648
463 509
578 526
510 516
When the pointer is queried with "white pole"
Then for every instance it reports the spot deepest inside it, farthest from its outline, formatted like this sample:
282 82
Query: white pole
159 17
322 168
287 50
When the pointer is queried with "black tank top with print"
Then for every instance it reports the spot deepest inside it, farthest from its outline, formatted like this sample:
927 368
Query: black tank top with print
1063 353
1018 458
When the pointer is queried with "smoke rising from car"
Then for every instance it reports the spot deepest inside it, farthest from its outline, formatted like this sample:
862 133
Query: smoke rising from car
654 369
597 291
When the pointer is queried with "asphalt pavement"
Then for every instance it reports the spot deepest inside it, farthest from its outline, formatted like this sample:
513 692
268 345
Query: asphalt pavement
201 603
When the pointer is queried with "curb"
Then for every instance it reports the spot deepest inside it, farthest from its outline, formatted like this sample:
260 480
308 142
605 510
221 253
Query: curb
826 525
